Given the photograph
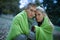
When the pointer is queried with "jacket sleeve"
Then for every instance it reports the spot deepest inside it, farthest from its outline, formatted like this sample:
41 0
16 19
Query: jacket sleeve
14 30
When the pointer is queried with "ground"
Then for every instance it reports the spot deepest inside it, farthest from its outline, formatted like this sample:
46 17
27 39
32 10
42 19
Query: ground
5 22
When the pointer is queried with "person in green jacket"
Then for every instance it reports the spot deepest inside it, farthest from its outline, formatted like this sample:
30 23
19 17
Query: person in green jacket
44 29
21 24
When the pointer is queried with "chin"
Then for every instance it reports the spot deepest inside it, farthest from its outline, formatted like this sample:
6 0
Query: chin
37 20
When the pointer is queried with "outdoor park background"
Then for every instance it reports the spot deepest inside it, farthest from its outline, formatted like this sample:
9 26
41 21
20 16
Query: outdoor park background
9 8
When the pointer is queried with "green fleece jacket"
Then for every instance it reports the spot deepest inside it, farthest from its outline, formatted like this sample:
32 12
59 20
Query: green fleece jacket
19 26
45 31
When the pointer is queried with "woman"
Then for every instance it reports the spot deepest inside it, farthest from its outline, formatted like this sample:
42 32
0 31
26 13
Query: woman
44 30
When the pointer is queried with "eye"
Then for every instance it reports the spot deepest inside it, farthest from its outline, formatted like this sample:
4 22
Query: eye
31 10
39 14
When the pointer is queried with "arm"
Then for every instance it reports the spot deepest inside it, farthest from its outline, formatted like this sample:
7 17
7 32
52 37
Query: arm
14 30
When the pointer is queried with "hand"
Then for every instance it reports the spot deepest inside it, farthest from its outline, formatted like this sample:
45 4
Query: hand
33 28
31 35
20 37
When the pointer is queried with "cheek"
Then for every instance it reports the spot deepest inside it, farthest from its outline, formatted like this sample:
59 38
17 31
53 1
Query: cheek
37 17
29 11
41 18
29 14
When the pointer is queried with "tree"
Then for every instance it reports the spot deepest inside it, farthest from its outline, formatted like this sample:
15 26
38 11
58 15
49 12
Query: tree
37 2
53 10
9 6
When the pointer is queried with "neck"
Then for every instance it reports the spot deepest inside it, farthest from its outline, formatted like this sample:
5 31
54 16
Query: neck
40 23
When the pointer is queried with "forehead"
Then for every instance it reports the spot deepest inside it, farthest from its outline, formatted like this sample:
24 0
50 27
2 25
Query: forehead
32 6
38 12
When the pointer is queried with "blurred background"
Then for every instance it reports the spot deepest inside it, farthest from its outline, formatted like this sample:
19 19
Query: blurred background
9 8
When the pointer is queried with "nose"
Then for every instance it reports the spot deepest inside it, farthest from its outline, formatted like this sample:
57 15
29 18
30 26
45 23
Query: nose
33 14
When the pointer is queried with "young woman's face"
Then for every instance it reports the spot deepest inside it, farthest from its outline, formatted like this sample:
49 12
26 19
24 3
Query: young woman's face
39 16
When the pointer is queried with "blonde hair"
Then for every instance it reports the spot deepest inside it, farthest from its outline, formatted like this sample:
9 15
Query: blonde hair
42 10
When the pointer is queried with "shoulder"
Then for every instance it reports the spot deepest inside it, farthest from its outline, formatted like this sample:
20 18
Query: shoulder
19 14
